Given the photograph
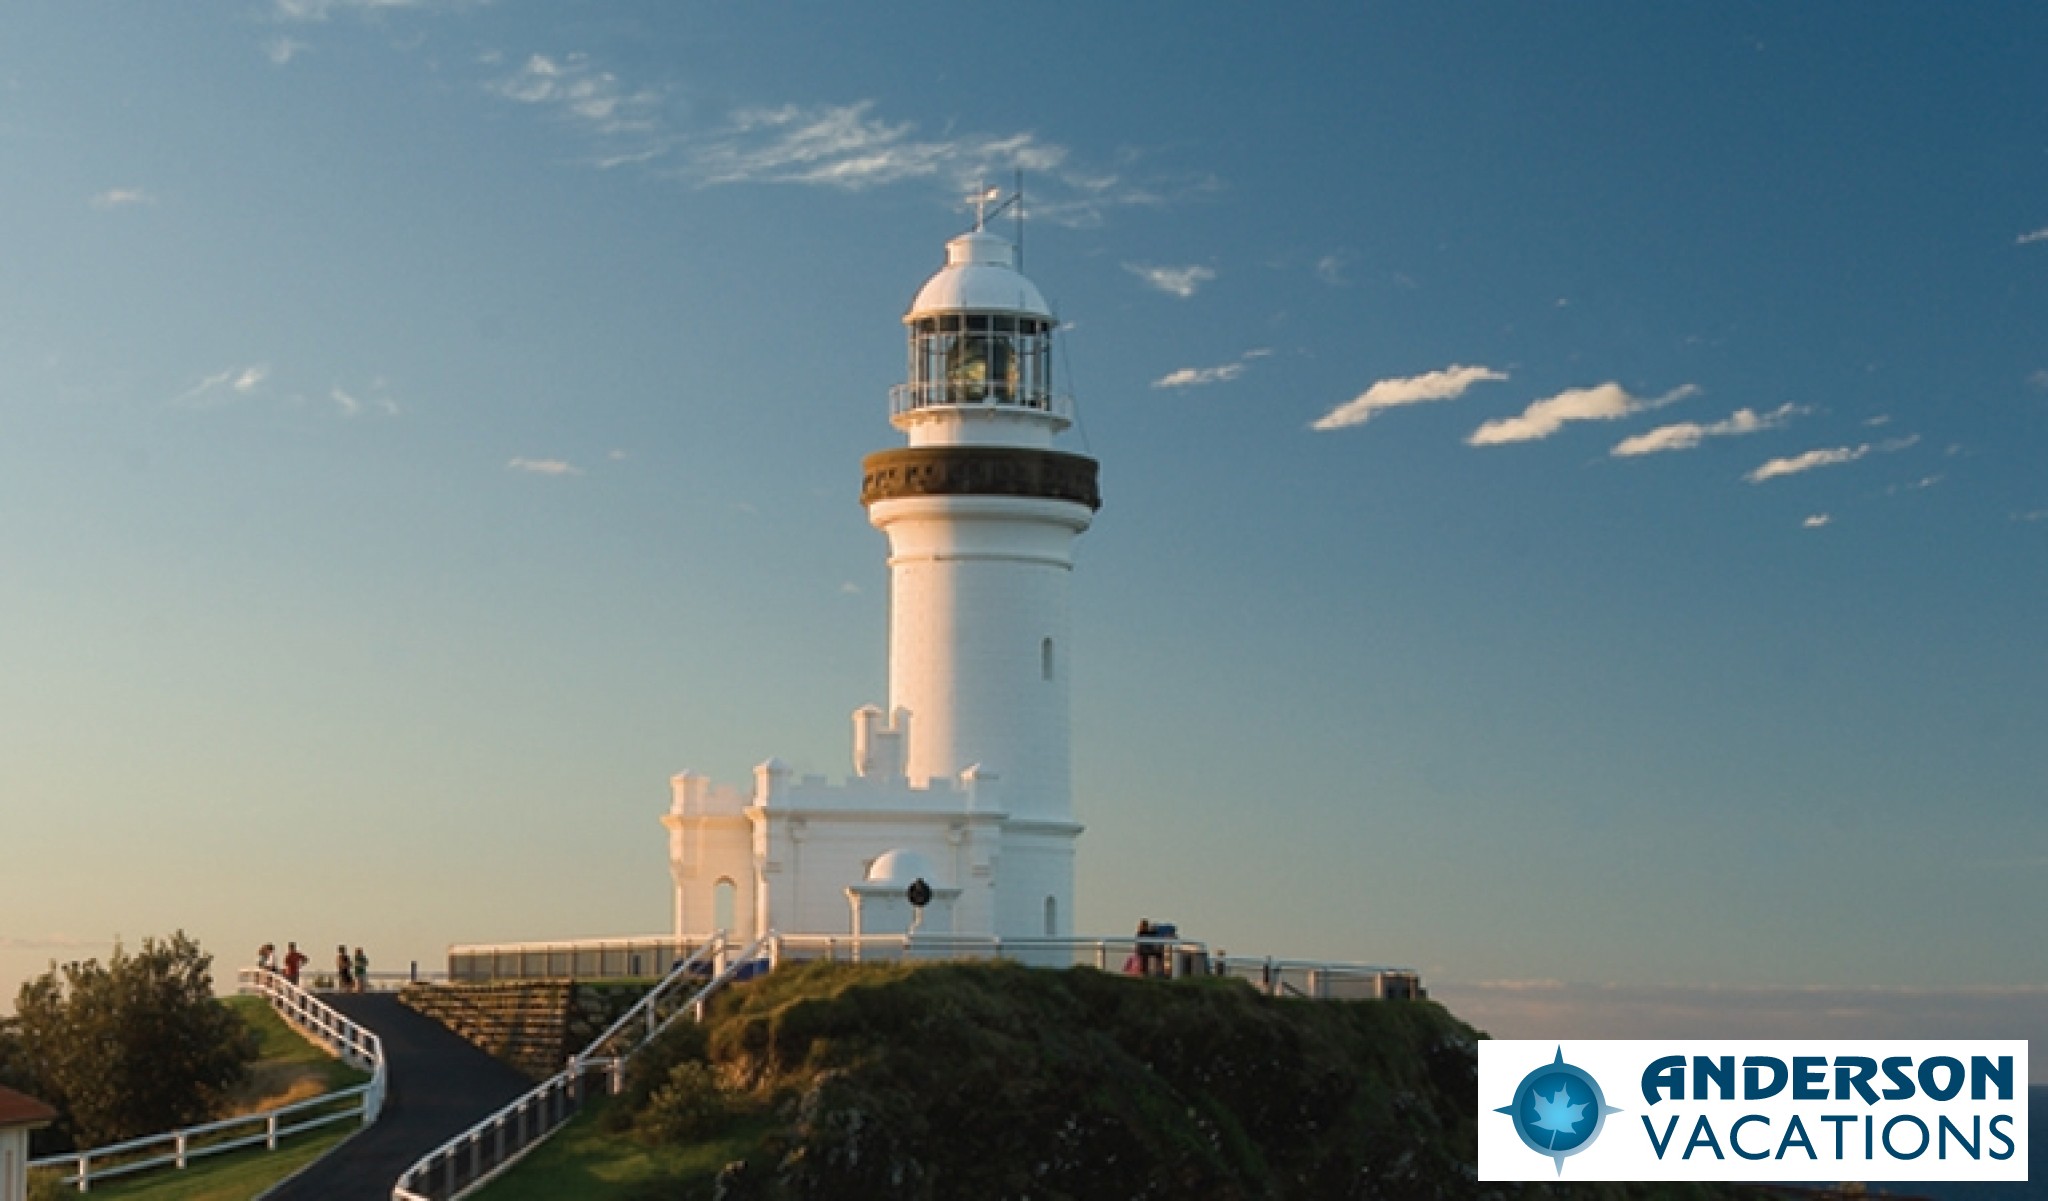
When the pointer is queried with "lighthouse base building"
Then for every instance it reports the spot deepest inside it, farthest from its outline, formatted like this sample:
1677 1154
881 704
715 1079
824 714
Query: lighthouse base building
802 855
963 782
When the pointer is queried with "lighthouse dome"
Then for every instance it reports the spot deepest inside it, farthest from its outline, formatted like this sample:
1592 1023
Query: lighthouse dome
980 276
899 867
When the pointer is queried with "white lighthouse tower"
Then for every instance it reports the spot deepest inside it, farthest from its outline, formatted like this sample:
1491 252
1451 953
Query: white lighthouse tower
981 514
965 781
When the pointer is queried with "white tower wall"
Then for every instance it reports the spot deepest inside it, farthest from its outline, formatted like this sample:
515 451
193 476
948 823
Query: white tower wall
978 640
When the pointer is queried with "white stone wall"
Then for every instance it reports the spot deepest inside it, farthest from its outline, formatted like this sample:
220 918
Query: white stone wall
798 845
710 840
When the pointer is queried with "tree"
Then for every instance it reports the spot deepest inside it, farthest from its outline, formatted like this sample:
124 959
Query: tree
132 1048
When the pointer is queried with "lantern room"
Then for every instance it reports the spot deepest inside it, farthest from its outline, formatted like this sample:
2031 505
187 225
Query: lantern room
980 348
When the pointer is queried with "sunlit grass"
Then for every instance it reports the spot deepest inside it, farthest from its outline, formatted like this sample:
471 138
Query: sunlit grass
586 1161
236 1176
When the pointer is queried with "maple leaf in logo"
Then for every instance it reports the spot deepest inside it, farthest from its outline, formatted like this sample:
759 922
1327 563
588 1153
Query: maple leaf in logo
1557 1114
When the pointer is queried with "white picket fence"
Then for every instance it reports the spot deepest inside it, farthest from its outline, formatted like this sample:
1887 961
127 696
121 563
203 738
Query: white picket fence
178 1148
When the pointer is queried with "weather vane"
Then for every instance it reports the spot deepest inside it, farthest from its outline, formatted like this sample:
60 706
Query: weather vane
983 195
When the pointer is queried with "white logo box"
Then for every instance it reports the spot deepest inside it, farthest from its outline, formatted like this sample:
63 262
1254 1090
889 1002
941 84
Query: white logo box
1845 1136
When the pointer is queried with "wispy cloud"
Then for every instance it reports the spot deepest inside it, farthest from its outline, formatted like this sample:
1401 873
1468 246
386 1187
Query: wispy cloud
1330 269
847 146
1447 384
1194 377
1182 282
224 386
51 942
376 399
555 467
579 90
320 10
1605 402
1686 435
119 198
1795 464
1816 521
2038 381
281 50
2039 235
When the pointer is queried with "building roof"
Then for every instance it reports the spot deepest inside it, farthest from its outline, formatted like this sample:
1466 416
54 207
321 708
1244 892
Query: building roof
20 1109
980 275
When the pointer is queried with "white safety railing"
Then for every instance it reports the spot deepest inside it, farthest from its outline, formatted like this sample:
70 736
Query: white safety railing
178 1148
586 959
1166 957
472 1159
1323 981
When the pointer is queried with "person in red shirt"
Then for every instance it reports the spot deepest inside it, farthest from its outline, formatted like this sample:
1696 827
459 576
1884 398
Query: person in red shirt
294 959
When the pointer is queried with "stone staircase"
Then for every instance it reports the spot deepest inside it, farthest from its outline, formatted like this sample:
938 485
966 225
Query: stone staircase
534 1025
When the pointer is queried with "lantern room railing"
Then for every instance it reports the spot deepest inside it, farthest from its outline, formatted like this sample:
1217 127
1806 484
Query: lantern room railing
934 394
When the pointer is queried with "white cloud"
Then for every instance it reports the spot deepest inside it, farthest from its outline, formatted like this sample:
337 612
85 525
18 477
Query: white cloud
1447 384
1605 402
224 386
846 146
543 467
281 50
2039 235
2038 381
1795 464
574 87
1686 435
616 456
843 146
116 198
320 10
377 398
1816 521
1174 281
1191 377
1330 269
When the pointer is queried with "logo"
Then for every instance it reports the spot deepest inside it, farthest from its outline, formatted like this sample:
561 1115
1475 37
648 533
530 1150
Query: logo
1753 1109
1558 1110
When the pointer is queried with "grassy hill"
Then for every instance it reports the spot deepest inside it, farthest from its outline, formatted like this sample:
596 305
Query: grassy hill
997 1081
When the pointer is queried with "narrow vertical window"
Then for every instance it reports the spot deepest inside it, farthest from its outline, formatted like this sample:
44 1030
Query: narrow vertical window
1045 658
1052 917
724 896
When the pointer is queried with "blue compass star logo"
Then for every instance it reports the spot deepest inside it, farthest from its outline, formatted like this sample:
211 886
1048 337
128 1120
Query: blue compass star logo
1558 1110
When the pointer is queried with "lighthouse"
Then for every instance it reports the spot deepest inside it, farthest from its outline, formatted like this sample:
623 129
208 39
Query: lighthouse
964 779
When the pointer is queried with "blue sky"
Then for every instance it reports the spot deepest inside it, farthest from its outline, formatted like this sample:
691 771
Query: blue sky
1575 511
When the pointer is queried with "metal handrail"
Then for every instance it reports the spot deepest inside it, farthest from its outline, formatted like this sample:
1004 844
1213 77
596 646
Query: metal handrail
528 1121
349 1042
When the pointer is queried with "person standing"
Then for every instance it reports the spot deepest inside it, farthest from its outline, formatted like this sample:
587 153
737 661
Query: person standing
294 959
344 969
362 971
266 957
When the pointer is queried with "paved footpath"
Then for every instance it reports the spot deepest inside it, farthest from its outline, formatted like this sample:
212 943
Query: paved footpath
440 1086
